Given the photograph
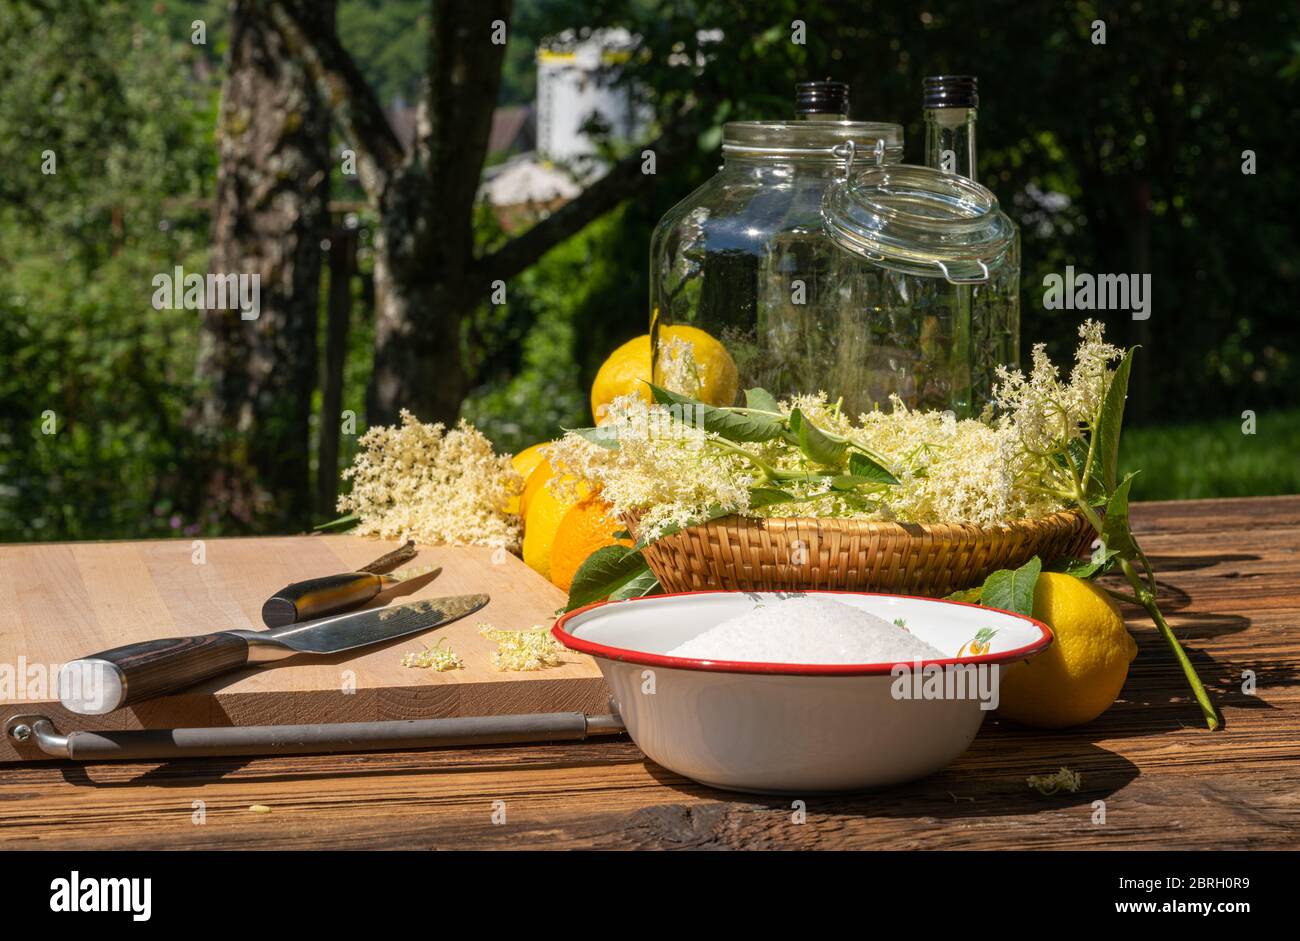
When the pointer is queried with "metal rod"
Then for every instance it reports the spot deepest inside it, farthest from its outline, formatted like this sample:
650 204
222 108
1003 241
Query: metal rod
308 739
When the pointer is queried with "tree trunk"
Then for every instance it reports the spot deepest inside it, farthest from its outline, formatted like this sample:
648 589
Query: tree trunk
425 284
427 277
338 319
269 219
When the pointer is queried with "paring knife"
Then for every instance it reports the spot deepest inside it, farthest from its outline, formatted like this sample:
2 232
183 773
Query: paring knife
96 685
334 594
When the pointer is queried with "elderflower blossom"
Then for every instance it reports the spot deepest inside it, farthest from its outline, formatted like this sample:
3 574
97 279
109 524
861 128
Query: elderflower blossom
663 471
680 370
521 651
437 658
418 481
1047 412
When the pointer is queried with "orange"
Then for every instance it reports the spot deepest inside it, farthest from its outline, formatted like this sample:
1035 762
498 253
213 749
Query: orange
587 526
542 522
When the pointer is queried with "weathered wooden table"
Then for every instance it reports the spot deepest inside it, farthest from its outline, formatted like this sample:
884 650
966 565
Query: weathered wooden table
1230 577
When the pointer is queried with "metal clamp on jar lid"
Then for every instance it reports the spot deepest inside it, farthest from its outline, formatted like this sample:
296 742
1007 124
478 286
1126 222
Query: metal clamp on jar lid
918 221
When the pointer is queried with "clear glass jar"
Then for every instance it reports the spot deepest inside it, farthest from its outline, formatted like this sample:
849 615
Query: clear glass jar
822 263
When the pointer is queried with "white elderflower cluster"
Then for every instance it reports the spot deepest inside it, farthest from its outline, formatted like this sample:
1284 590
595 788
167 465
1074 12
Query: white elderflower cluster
1046 411
437 658
662 470
523 651
681 372
948 470
665 471
439 487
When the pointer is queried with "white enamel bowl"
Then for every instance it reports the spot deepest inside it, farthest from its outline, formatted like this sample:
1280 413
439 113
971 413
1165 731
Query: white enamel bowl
794 728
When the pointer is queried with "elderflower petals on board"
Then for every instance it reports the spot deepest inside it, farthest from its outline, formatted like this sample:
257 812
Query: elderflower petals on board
522 651
439 487
437 658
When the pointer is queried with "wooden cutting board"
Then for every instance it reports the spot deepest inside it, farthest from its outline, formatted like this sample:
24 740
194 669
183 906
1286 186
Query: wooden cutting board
67 600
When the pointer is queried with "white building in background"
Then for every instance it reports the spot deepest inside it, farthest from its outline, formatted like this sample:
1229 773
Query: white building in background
574 83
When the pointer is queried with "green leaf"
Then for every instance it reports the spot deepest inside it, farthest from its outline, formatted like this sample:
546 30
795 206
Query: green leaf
734 426
968 595
1115 533
815 443
1099 563
605 571
861 465
762 400
639 587
851 482
339 525
604 435
767 496
1012 590
1111 422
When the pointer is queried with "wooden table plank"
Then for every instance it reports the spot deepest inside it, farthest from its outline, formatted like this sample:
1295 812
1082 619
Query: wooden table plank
1229 572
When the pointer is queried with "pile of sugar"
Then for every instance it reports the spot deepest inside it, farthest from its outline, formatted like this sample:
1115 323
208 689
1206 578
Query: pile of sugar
806 629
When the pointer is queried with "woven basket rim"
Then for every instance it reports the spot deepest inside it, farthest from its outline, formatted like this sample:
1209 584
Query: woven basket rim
1059 518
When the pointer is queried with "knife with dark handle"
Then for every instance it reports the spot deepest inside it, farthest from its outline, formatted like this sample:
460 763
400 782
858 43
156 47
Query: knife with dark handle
98 684
319 597
334 594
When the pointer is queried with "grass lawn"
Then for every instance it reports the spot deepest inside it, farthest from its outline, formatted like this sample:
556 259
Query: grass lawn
1214 458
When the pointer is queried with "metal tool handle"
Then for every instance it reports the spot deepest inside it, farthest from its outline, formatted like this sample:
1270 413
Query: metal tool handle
98 684
311 739
318 597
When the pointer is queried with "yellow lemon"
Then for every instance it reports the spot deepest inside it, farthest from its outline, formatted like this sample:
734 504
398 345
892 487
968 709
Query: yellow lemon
708 372
587 526
545 512
1080 675
534 482
524 463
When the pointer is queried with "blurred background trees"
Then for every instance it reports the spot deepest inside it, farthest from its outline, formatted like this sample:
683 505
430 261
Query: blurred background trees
1122 157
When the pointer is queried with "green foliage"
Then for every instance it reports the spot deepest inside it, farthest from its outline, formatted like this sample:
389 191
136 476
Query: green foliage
83 351
1012 590
1201 459
606 571
1138 143
388 38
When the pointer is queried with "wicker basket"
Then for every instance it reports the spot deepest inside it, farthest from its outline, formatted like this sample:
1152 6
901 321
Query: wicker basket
741 554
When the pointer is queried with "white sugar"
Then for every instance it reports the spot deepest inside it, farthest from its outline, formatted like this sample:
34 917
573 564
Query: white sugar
806 629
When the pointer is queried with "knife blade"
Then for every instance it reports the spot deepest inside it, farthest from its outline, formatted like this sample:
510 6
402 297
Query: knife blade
103 682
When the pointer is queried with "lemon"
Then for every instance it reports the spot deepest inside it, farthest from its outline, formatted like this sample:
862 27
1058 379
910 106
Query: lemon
714 378
534 482
542 522
587 526
1080 675
524 463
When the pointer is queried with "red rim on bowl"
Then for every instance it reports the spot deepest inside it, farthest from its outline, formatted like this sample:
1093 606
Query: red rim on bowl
573 642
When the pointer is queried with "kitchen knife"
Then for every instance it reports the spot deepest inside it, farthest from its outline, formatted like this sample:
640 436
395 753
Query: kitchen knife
98 684
334 594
